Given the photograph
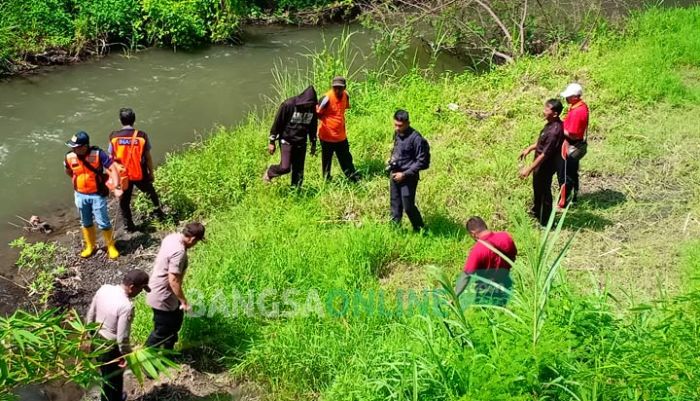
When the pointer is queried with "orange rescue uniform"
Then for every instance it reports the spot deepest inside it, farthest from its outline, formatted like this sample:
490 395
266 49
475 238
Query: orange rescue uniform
128 151
331 118
85 180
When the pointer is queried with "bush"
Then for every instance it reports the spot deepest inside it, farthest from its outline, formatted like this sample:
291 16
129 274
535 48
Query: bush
108 19
32 26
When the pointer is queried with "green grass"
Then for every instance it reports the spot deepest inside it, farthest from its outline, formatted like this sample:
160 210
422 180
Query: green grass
620 318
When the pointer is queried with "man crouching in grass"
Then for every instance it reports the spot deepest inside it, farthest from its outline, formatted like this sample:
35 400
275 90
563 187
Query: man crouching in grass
484 263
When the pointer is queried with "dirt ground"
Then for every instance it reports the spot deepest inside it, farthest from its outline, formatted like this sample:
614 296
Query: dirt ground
195 380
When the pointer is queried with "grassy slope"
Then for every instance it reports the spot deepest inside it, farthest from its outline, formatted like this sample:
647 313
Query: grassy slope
636 216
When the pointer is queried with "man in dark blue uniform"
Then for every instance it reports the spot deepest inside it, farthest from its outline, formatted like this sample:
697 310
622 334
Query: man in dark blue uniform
411 153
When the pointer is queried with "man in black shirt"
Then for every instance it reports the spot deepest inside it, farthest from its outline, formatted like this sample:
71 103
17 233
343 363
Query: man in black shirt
544 166
295 121
411 153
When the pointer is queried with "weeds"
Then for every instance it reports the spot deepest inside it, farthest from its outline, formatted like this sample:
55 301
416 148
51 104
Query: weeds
39 348
39 259
562 336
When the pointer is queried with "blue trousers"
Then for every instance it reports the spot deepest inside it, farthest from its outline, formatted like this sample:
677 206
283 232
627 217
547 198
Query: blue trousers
93 205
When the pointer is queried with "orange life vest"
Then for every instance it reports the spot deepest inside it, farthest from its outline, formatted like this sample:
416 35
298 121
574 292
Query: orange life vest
331 119
128 151
85 180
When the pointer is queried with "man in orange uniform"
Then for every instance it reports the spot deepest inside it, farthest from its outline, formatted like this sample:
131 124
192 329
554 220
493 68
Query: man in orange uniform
331 130
132 148
86 165
575 127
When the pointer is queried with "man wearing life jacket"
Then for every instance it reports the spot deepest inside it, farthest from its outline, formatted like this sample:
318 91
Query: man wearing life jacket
132 149
88 167
575 127
294 124
331 130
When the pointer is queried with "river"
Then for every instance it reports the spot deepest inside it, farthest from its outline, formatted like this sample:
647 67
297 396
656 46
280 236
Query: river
178 97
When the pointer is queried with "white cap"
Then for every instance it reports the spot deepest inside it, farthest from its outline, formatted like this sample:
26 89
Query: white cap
572 90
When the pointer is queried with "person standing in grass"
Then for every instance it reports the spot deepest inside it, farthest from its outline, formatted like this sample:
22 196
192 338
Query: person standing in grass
410 155
89 168
132 149
113 309
332 132
295 121
484 263
546 160
168 299
575 127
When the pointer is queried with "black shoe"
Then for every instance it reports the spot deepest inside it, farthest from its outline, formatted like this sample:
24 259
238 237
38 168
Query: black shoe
159 215
131 228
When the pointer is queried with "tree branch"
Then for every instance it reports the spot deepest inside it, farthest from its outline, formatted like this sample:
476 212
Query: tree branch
522 28
498 22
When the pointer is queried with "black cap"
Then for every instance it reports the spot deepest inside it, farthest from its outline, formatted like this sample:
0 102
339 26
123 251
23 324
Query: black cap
79 139
338 81
138 278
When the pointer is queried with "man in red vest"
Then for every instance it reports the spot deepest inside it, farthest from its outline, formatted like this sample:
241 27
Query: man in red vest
487 264
89 167
331 130
132 149
575 127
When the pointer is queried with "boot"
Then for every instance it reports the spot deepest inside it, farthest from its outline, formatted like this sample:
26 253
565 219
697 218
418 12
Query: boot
112 251
89 241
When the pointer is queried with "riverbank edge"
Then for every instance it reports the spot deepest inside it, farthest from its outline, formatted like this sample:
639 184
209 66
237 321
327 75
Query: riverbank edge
231 130
37 62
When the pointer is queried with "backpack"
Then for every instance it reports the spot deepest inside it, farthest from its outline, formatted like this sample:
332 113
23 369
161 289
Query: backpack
121 169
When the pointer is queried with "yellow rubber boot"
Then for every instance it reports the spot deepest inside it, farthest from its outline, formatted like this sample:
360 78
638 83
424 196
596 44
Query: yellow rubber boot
88 241
112 251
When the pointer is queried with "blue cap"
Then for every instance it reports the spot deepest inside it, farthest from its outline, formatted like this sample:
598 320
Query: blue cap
79 139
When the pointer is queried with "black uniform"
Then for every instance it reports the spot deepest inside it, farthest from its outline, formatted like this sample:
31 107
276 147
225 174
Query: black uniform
295 122
411 154
548 144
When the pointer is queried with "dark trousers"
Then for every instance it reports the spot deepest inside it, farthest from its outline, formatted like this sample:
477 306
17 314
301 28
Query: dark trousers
292 159
567 175
342 150
403 198
146 186
166 325
112 375
542 190
487 293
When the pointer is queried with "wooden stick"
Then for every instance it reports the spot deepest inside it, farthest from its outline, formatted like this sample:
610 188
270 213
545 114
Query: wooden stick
23 219
12 281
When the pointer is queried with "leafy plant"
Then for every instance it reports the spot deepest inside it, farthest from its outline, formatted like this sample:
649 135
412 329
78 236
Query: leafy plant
44 347
40 259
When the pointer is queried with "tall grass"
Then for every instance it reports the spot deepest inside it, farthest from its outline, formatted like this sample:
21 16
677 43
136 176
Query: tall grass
551 342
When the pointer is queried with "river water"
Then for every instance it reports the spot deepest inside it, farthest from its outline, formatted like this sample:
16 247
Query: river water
178 97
